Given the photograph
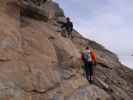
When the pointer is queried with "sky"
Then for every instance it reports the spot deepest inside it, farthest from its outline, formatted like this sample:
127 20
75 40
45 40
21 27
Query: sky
109 22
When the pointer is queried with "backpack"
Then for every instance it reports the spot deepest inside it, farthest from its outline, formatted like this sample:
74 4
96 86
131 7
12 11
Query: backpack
87 56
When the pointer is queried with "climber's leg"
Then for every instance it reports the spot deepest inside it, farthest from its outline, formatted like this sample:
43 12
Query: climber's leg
87 72
91 71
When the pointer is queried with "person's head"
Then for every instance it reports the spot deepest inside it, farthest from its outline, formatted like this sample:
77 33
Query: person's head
68 19
87 48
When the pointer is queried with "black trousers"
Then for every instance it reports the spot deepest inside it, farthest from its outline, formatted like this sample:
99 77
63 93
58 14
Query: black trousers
69 32
89 70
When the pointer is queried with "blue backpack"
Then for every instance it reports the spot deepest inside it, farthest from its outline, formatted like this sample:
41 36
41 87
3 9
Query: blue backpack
87 56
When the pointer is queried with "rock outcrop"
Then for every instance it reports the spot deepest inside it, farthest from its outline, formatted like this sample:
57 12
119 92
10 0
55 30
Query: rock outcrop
40 9
37 63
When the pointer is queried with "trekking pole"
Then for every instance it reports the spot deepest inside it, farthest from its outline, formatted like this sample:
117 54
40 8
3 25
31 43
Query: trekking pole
94 71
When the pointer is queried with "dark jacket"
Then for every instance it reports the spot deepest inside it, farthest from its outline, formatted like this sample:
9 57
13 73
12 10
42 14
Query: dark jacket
68 25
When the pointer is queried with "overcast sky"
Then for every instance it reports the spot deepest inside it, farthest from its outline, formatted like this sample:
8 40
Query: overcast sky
109 22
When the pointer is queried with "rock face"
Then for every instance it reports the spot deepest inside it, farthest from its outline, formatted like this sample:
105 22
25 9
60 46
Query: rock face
40 9
37 63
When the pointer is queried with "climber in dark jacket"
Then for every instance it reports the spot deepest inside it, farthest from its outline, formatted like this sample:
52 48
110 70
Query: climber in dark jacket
68 27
